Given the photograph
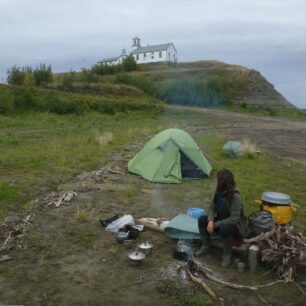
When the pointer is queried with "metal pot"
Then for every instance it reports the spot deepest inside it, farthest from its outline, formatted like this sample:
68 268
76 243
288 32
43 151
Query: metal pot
136 258
146 248
121 236
279 204
182 252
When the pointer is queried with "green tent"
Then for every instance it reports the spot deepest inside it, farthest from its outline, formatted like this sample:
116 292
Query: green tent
169 157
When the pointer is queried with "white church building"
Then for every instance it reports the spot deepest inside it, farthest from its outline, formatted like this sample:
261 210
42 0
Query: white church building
154 53
144 55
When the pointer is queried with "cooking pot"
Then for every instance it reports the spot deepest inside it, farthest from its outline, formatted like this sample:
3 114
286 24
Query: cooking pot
136 258
182 252
146 248
279 204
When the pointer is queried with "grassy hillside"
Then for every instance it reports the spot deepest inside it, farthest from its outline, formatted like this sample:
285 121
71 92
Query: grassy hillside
206 83
108 99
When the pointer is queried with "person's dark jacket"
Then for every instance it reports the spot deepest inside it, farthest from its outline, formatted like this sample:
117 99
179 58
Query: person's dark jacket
235 214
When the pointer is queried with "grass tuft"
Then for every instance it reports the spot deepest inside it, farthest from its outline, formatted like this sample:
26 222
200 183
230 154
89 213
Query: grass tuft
82 216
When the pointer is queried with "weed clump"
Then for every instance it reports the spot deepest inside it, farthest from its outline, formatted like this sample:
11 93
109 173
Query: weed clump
82 216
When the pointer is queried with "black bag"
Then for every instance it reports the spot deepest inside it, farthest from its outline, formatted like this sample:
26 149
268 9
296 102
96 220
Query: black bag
106 222
260 222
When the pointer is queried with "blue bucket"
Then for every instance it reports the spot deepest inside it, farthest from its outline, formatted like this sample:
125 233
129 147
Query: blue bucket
195 213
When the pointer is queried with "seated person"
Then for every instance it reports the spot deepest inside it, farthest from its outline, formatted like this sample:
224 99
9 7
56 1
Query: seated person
225 216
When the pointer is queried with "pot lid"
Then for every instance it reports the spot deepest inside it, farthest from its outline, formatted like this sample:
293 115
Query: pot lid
146 245
137 256
276 198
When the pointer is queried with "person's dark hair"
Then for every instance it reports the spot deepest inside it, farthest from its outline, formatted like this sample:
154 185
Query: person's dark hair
225 181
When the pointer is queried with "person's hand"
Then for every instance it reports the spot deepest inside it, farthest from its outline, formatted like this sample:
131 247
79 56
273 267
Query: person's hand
210 227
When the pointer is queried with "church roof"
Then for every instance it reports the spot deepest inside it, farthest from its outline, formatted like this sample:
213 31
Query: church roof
110 59
152 48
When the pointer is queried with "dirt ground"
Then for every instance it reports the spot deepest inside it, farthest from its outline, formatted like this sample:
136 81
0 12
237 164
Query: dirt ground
71 260
284 137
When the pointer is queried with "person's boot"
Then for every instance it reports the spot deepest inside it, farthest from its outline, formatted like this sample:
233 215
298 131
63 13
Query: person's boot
205 248
227 252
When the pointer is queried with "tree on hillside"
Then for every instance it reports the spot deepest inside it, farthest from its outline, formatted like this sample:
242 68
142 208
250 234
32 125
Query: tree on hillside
17 75
42 74
129 64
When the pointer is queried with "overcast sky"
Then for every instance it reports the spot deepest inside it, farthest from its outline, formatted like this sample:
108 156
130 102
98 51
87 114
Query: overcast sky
268 35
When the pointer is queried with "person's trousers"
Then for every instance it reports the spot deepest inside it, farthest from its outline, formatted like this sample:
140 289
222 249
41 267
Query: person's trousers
226 230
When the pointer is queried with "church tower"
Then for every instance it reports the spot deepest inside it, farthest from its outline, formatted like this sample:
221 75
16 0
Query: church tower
136 43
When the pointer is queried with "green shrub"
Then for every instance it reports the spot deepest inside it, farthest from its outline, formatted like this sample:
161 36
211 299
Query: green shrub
42 75
129 64
68 78
87 75
17 75
6 103
104 69
123 78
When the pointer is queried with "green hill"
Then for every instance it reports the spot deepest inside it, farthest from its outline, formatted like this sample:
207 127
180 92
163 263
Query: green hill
205 83
111 90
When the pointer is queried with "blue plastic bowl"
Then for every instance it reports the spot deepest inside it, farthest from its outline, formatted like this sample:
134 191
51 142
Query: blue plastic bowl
195 213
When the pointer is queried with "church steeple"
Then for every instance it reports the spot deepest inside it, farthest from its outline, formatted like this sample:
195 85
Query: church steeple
136 43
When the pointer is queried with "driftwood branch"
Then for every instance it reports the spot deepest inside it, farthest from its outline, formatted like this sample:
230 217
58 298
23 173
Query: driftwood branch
260 237
5 258
226 284
200 282
116 172
209 275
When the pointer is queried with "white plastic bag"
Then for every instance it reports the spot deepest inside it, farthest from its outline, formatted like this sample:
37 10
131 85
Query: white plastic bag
120 223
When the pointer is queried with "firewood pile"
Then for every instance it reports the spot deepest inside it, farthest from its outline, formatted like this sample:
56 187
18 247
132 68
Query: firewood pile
284 248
